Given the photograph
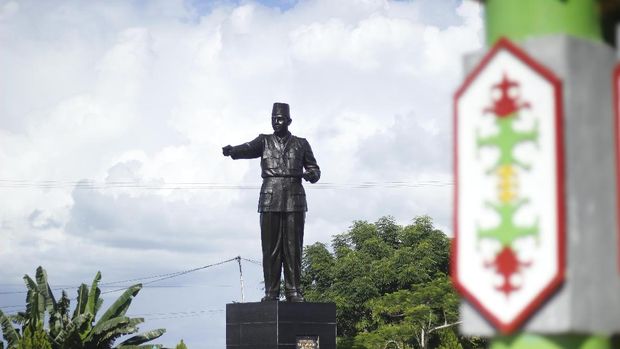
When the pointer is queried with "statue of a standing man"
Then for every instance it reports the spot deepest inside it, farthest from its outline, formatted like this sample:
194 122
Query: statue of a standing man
282 202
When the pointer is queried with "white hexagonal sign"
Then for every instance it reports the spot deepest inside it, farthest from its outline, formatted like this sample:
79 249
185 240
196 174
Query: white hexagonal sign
508 254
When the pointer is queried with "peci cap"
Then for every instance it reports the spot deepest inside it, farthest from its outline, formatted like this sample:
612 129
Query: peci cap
280 109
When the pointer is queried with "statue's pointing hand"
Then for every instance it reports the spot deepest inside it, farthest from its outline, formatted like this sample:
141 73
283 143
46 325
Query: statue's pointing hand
226 150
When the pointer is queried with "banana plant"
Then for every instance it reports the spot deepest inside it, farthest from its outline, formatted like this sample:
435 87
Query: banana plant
82 330
9 333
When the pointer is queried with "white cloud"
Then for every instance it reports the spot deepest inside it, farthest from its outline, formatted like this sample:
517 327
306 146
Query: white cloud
9 9
138 98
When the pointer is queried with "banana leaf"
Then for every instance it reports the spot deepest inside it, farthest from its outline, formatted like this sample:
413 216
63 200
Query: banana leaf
9 333
120 306
59 315
35 304
45 289
93 295
71 333
143 337
82 299
105 333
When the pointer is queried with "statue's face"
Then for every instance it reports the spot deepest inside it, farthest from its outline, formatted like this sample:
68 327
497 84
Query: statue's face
280 123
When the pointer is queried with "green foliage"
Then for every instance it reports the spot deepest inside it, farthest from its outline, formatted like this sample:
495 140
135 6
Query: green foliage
81 330
449 340
143 338
474 342
389 283
181 345
10 335
36 339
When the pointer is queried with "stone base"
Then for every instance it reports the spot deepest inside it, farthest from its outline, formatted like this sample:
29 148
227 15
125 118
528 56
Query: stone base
280 325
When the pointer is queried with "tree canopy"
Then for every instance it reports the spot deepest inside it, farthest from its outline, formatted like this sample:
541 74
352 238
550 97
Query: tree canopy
389 282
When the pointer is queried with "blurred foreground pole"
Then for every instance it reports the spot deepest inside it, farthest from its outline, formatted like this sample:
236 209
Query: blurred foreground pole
522 19
535 218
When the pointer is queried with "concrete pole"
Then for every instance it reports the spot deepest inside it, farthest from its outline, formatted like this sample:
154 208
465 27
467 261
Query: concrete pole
241 279
533 341
520 19
524 22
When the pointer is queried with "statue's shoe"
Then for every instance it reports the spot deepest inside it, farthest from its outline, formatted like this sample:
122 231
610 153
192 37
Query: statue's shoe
269 298
295 297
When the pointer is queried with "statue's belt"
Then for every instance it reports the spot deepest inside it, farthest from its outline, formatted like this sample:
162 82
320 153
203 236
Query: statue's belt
290 179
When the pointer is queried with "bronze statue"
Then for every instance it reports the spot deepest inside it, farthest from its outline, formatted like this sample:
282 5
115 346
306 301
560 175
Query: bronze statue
282 201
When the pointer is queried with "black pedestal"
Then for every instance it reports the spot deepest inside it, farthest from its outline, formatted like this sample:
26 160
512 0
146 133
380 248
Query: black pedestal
280 325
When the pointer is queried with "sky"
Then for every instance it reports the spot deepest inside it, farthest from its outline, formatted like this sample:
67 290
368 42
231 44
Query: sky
113 115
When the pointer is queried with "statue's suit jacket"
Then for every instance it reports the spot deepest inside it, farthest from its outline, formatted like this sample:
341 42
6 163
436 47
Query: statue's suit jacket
282 164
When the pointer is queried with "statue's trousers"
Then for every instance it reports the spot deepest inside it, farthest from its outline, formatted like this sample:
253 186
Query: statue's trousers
282 235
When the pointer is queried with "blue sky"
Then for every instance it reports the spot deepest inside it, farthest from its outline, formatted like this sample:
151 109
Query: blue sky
113 115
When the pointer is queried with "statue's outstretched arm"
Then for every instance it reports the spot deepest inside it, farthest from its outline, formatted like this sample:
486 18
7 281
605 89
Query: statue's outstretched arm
250 150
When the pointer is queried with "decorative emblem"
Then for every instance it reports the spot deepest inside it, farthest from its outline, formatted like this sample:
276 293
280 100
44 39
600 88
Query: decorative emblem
307 342
509 218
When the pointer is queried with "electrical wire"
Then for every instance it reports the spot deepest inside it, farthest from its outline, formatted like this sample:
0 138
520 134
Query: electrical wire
176 315
251 261
89 184
153 278
168 275
157 278
173 275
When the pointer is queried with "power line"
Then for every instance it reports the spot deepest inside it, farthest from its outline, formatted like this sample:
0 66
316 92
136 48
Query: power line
172 275
176 315
179 312
252 261
180 315
63 287
167 275
173 315
89 184
153 278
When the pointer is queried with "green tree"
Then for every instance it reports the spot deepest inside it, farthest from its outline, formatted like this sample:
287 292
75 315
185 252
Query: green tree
473 342
181 345
317 265
82 330
449 340
389 283
416 313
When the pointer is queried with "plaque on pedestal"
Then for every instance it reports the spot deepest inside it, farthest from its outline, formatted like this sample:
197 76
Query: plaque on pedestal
281 325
